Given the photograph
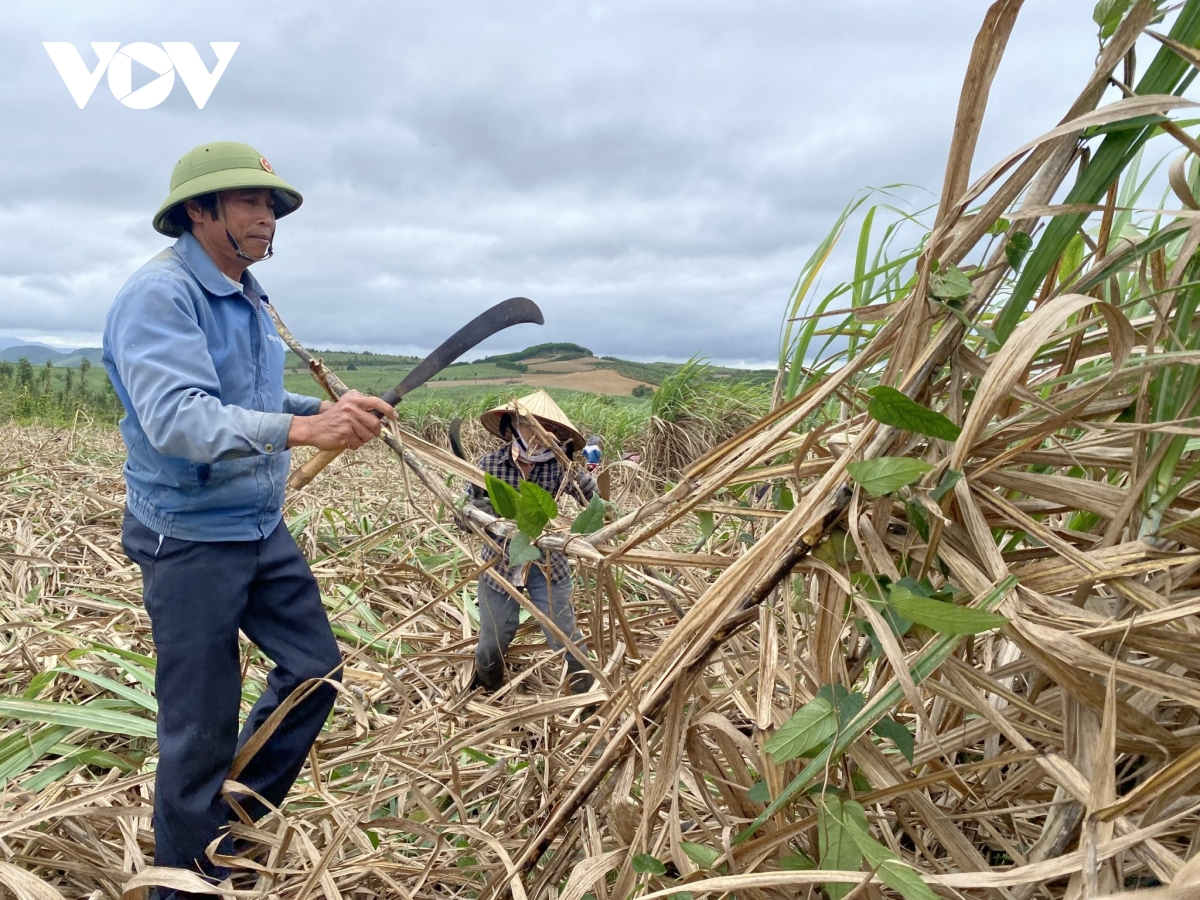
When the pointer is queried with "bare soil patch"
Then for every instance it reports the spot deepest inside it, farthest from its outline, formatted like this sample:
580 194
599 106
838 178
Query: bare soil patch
598 381
586 364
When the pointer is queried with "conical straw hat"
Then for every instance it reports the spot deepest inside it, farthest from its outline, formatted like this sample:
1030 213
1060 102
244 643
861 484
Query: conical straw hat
541 406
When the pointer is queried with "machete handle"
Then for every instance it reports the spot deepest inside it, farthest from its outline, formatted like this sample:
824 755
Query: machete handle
312 468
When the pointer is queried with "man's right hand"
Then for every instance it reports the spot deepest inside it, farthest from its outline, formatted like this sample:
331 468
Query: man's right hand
346 425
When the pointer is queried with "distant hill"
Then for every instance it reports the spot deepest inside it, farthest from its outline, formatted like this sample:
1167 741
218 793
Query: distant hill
554 351
37 354
7 341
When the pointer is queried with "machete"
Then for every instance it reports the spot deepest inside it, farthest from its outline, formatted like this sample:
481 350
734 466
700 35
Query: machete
513 311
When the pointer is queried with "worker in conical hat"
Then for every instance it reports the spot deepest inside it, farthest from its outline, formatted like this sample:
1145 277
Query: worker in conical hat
525 456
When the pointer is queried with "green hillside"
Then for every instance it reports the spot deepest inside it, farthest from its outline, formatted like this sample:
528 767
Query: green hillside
37 355
378 371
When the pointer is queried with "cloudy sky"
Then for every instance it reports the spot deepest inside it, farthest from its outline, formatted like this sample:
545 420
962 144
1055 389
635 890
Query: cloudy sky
653 173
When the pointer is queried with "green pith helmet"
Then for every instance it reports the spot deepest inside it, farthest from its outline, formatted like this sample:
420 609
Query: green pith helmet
222 166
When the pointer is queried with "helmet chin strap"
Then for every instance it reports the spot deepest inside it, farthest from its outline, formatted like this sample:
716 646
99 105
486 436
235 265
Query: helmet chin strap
238 251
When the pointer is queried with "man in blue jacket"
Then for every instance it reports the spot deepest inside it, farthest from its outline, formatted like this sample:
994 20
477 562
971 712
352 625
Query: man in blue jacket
198 366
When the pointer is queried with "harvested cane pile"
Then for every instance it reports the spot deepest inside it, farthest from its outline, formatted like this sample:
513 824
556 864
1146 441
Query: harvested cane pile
938 640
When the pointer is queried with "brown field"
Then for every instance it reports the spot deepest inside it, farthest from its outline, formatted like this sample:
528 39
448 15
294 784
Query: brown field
538 366
576 375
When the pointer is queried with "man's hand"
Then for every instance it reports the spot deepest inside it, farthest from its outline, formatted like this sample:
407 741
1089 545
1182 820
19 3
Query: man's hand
345 425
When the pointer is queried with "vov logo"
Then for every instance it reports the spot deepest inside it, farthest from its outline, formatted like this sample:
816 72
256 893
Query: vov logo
165 61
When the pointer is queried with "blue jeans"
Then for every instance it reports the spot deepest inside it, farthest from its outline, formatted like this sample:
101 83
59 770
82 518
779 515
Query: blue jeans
498 619
198 595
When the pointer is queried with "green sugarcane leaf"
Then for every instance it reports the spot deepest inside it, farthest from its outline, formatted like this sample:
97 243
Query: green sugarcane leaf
37 684
889 728
299 522
504 497
892 407
148 663
39 781
85 716
141 698
521 550
645 864
942 617
887 473
89 756
703 856
836 847
591 519
1072 258
1168 73
24 747
811 726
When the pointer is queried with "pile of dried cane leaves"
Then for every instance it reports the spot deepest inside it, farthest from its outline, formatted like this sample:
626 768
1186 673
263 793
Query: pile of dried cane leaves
933 753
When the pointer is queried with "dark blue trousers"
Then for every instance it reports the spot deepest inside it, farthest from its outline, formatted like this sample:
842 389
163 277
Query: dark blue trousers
198 595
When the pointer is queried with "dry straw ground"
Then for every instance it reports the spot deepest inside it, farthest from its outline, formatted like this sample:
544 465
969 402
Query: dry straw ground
1055 756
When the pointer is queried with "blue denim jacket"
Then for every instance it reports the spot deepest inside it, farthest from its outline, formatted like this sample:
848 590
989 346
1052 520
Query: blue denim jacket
198 366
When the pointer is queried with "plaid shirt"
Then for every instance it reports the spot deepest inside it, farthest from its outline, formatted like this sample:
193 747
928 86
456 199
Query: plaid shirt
546 475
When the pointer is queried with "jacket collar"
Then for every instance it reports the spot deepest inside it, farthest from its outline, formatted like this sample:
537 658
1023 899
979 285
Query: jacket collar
212 279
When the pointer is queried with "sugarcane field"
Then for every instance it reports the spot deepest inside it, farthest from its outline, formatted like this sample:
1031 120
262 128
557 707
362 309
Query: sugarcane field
908 606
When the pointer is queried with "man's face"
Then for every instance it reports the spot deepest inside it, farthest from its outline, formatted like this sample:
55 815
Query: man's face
249 214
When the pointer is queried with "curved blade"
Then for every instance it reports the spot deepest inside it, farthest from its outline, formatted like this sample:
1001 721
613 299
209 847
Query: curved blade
513 311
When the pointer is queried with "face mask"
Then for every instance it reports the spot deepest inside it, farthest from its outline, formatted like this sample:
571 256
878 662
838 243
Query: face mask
528 452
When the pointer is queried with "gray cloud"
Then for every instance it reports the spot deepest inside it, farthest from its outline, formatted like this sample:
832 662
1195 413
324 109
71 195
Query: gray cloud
654 174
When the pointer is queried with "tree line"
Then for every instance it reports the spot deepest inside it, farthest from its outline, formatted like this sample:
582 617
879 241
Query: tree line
54 394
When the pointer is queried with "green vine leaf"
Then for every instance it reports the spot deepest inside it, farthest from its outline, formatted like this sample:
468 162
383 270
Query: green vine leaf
887 473
892 407
504 497
835 845
810 727
645 864
521 550
1018 246
703 856
535 509
943 617
852 818
893 731
950 284
591 519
